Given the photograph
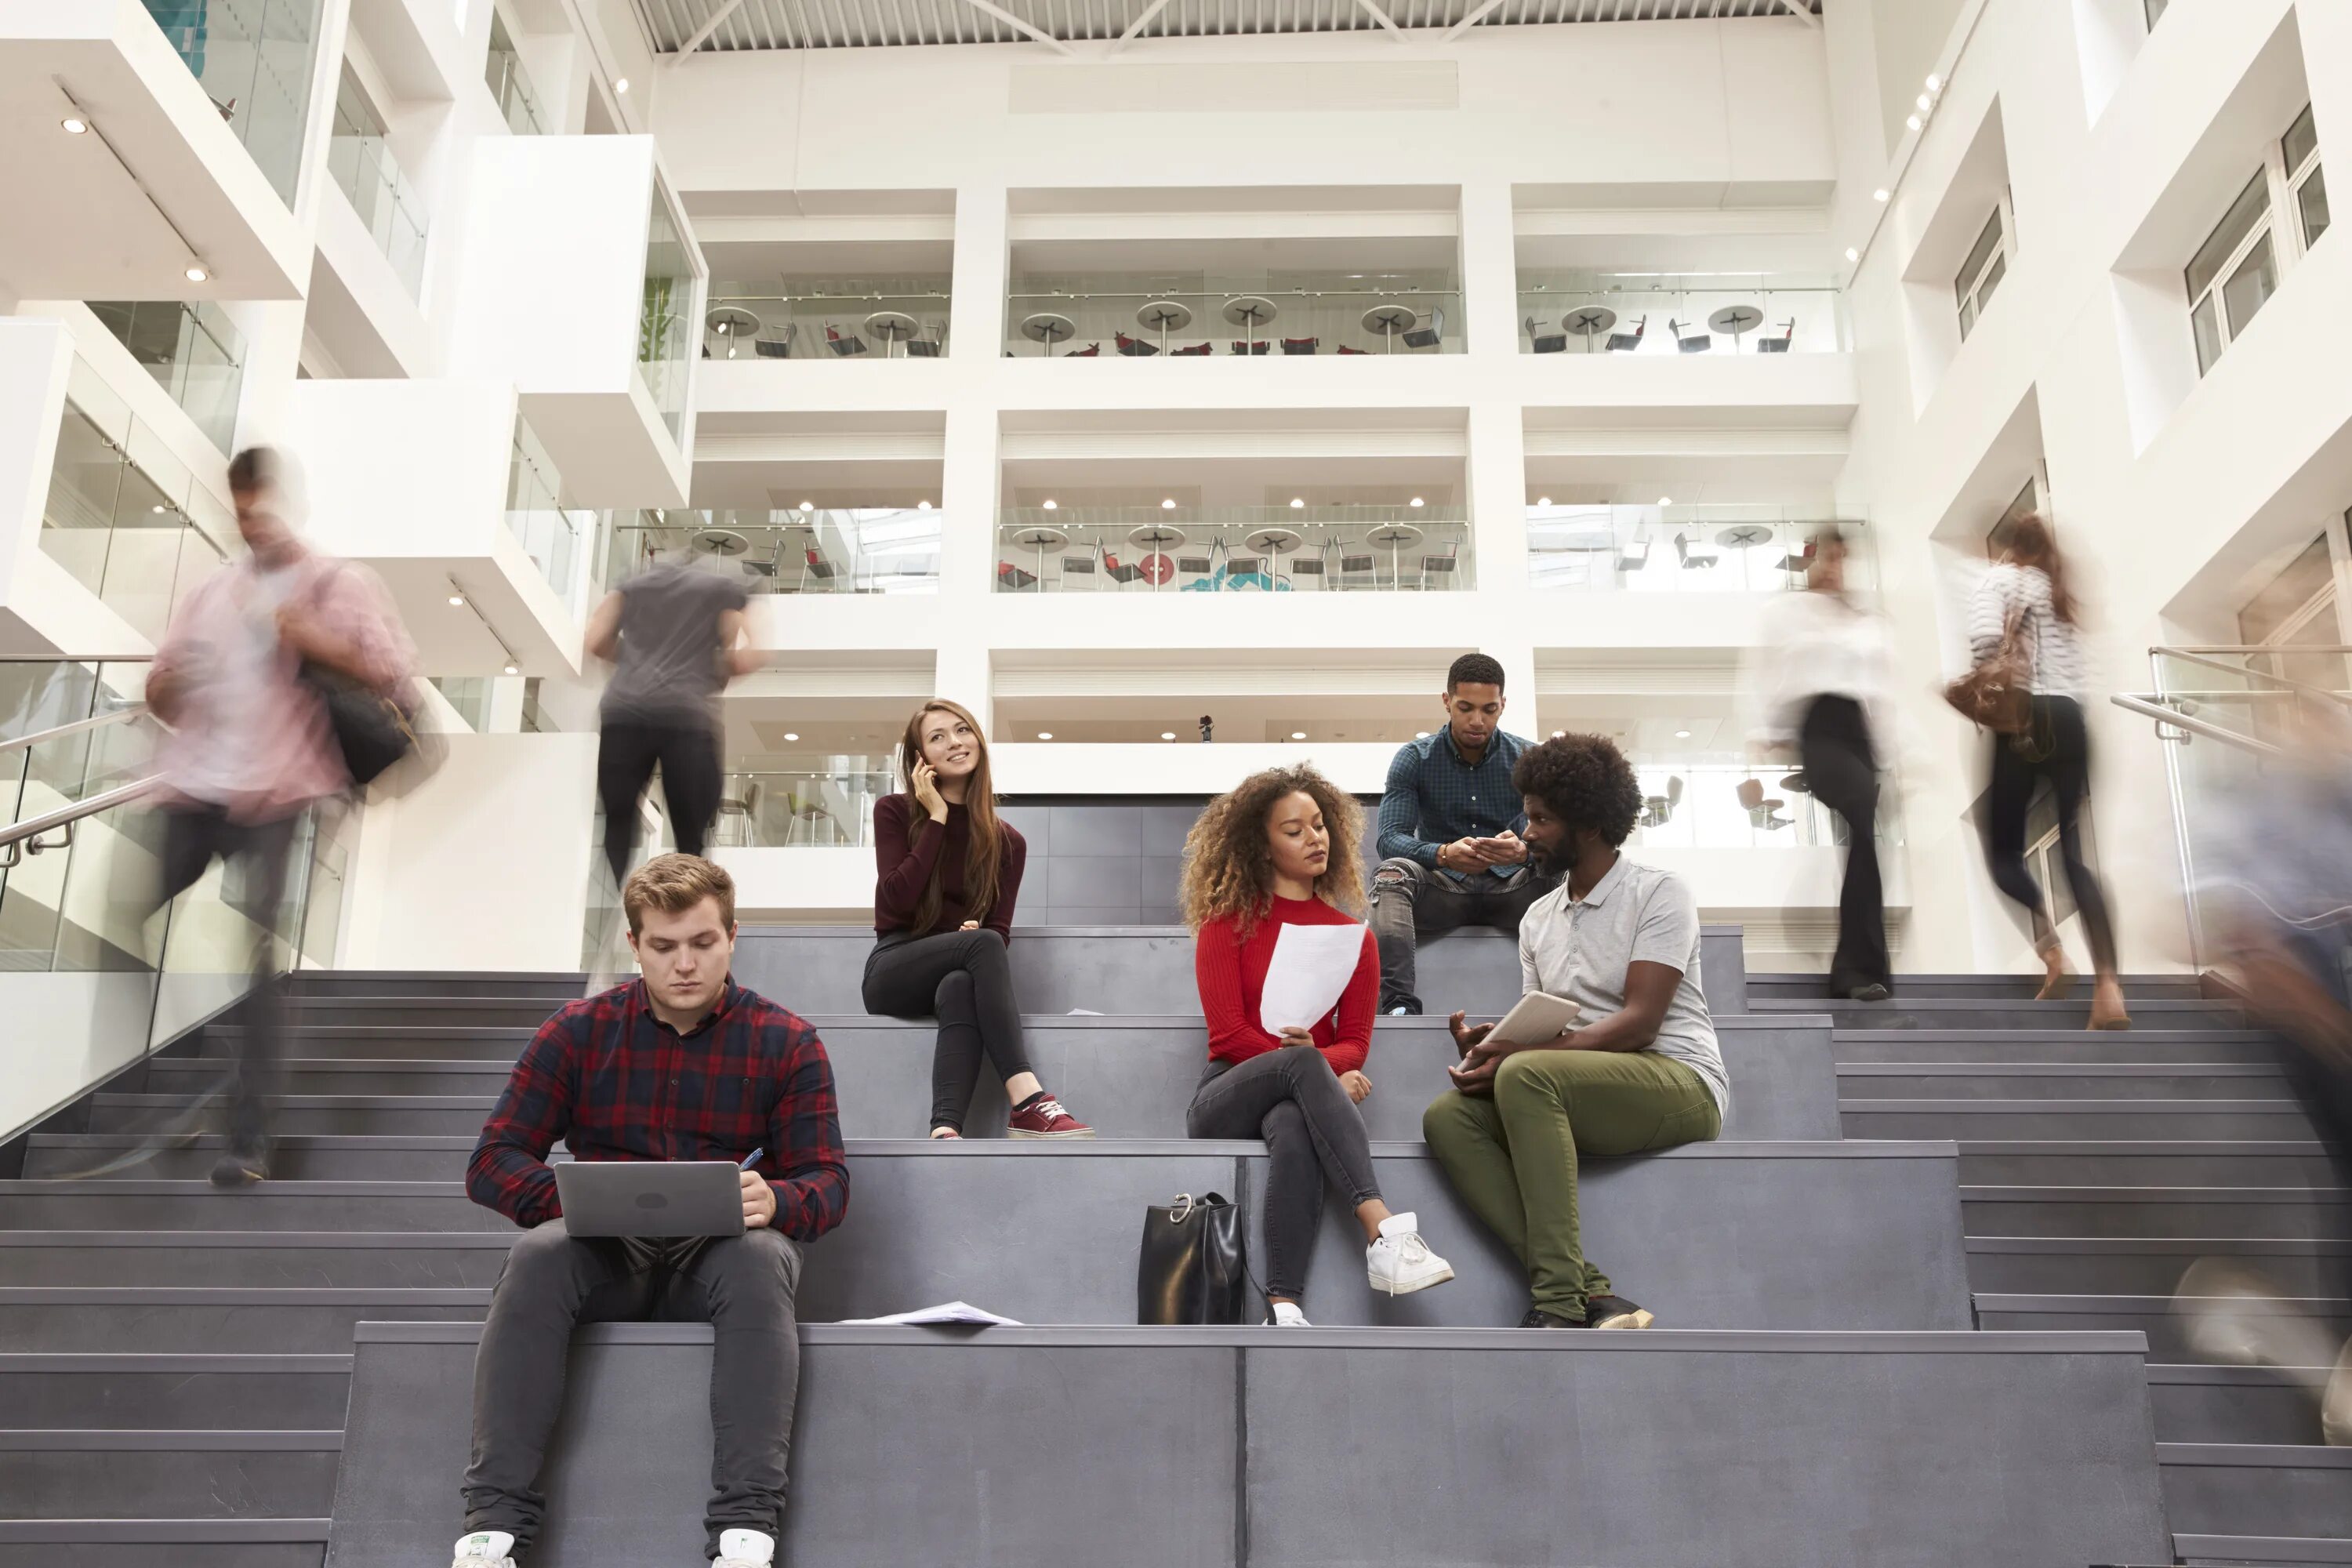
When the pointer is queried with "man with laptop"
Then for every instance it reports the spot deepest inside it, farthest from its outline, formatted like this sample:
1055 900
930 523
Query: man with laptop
706 1150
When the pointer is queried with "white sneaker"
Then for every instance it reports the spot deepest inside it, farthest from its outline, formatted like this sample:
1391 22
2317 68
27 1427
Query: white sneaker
1400 1262
485 1549
2336 1403
1287 1315
745 1549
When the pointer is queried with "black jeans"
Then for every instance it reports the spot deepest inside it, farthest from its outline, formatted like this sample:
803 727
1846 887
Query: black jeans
194 836
964 980
1292 1099
1842 769
2061 753
625 755
1410 901
743 1286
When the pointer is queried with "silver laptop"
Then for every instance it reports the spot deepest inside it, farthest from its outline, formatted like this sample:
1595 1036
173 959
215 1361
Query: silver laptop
651 1197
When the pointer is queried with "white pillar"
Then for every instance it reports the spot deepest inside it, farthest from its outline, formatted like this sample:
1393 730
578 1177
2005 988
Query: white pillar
976 308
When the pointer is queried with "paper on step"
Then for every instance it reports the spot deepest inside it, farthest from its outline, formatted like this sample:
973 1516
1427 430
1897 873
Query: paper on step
1309 972
946 1313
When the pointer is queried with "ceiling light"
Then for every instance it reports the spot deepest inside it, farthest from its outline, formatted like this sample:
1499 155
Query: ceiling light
1558 735
1044 734
790 736
1851 254
1682 734
1934 81
75 125
196 273
1543 501
1168 505
1052 505
923 505
513 669
808 506
1665 501
1421 734
1167 734
157 508
1925 103
457 598
1414 501
1297 502
1880 195
1912 122
621 84
1298 734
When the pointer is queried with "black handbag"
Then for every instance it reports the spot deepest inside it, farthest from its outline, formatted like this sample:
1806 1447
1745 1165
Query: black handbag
371 731
1192 1268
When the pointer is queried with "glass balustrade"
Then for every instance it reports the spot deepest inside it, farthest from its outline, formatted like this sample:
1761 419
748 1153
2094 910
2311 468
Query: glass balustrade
828 319
1263 549
123 515
872 550
359 160
1207 315
826 803
194 352
1684 548
553 535
1663 313
1697 806
511 84
663 328
253 59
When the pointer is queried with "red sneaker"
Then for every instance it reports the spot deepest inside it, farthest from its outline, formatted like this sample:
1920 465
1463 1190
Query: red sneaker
1045 1118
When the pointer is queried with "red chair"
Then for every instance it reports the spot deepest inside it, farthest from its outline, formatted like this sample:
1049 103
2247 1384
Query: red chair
1091 351
1196 352
851 345
1242 348
1345 350
1299 345
1136 348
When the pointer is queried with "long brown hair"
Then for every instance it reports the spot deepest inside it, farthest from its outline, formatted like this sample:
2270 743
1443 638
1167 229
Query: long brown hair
1229 865
2030 544
985 852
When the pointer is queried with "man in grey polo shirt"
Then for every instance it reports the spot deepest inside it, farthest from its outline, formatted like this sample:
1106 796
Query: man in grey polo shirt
1642 1071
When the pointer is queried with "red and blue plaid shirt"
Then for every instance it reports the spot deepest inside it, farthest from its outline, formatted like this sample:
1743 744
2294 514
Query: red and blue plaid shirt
616 1083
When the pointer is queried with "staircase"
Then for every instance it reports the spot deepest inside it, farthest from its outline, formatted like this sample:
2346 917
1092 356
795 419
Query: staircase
177 1365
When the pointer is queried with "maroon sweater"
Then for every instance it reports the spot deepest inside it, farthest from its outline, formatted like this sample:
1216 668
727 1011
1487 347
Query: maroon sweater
902 870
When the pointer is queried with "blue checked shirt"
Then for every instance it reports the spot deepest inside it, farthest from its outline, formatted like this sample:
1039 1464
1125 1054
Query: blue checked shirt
1433 797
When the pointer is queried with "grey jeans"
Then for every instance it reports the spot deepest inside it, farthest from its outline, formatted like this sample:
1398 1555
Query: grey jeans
1411 900
743 1286
1292 1099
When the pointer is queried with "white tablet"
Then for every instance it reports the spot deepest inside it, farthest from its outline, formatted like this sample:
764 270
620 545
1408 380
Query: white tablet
1537 1017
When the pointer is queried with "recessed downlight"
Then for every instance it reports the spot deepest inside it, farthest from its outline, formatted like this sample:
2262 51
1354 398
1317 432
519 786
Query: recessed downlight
1297 502
457 598
1934 81
1912 122
1044 734
1167 734
1851 254
621 84
1665 501
1168 505
923 505
808 506
196 273
1052 505
1682 734
1880 193
75 124
790 736
1414 501
513 669
1298 734
1543 501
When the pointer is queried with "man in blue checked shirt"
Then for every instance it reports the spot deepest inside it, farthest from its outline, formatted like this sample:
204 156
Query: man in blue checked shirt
1449 832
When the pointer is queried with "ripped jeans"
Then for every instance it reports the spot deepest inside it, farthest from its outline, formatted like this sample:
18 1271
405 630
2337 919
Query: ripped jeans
1409 900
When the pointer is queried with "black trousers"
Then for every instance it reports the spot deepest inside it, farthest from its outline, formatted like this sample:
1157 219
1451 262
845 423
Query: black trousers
194 836
964 980
2060 752
625 755
743 1286
1842 769
1313 1132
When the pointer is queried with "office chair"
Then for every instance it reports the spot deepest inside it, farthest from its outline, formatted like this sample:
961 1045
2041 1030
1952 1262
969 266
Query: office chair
1427 335
1658 810
844 346
1778 345
1626 342
1136 348
1762 811
1546 343
1694 344
1694 552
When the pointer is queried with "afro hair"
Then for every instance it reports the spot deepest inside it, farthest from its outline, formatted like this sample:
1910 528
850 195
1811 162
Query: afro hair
1586 780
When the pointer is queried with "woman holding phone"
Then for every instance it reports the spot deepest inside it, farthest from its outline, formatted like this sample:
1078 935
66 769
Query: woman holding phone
1280 851
947 876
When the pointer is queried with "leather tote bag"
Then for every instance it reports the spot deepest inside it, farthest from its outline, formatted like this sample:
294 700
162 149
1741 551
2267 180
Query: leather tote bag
1192 1268
1997 694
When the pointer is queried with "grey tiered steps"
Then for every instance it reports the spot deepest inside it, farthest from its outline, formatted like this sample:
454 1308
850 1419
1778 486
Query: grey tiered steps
1809 1396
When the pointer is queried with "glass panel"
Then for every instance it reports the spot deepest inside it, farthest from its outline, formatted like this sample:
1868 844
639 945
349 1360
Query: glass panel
1654 312
117 516
2311 200
549 531
1684 549
2156 12
1993 275
1968 318
875 550
194 352
662 326
2256 281
362 163
2302 140
828 318
253 59
1987 244
2307 577
1696 805
2227 235
510 85
1277 311
1201 550
2205 324
825 803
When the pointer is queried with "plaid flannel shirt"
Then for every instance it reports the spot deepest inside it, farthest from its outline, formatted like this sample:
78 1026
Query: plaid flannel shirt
616 1083
1433 797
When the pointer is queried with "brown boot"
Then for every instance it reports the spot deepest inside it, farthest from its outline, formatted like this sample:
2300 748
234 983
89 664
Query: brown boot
2107 1005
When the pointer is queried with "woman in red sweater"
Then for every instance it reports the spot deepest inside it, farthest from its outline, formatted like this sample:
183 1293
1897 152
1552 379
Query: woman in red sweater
1280 851
948 873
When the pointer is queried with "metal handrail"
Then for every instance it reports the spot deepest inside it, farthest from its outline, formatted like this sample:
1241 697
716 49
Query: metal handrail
19 839
2194 656
95 722
2153 709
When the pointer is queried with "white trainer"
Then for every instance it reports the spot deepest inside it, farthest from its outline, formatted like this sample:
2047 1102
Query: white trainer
2336 1403
1400 1262
1287 1315
485 1549
745 1549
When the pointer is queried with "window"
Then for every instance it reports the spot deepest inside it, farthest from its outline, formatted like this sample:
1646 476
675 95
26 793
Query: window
2299 154
2027 502
2156 12
1981 273
2238 267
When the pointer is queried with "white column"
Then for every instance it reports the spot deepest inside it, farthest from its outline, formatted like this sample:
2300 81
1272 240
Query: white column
1505 622
1490 270
966 553
976 311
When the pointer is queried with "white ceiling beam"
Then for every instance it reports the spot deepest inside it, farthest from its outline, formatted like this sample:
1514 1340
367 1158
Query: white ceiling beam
1009 20
1470 21
1383 19
703 33
1136 27
1801 12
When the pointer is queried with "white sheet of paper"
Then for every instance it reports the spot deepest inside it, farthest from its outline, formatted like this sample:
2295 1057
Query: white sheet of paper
1310 970
946 1313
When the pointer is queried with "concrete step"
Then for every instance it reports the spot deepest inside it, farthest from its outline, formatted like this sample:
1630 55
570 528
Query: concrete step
1167 1441
365 1115
2085 1121
2128 1162
1757 1236
140 1389
2259 1551
462 1012
91 1319
429 1042
2151 1315
435 983
2268 1212
296 1157
180 1472
181 1542
1967 1013
2145 1265
2055 1080
2242 1488
1764 984
2249 1047
2236 1403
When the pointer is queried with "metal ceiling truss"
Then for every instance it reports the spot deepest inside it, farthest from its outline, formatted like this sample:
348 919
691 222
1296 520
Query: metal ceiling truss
680 26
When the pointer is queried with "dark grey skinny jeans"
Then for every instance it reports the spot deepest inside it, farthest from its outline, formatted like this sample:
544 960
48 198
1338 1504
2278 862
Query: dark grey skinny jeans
1292 1099
743 1286
964 980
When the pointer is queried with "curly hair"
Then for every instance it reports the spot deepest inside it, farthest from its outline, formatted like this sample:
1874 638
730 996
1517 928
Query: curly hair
1586 780
1229 865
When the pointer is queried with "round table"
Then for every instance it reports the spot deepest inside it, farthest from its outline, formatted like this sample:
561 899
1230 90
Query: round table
1745 536
1388 319
1797 784
732 321
1249 312
1738 319
1395 538
1156 539
1274 543
1588 322
1044 541
893 327
1048 329
1164 316
721 542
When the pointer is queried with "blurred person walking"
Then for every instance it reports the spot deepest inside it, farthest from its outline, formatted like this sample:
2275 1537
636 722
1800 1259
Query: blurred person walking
241 680
2026 610
1817 685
